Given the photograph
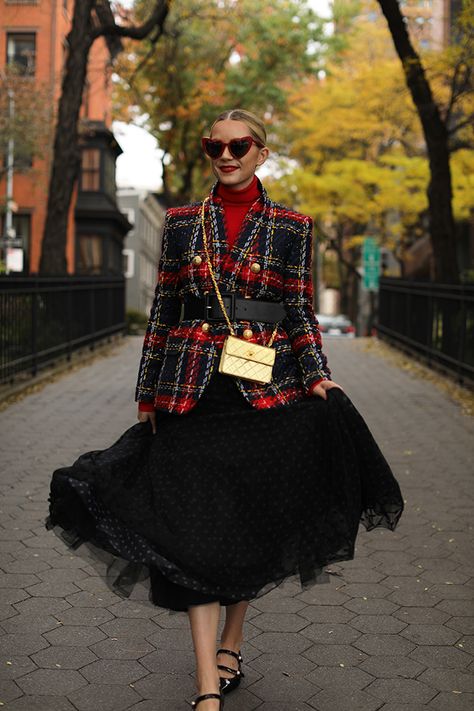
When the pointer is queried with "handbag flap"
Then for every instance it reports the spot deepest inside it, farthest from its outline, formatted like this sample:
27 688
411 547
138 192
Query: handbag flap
250 351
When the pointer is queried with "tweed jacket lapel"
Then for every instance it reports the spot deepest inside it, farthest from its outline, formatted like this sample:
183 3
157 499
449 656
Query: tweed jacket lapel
227 262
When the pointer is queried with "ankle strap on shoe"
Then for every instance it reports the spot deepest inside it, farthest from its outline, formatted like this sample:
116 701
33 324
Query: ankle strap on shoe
236 655
203 697
236 672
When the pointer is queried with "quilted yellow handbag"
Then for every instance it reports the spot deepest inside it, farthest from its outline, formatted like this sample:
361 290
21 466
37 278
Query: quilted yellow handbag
240 358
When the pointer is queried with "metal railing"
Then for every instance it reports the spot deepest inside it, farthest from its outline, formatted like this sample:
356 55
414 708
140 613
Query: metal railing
434 320
43 319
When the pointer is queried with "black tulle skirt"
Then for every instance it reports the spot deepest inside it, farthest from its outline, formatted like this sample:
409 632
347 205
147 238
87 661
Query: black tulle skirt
225 502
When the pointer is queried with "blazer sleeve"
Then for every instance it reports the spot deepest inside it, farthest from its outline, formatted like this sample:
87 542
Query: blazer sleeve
301 323
164 314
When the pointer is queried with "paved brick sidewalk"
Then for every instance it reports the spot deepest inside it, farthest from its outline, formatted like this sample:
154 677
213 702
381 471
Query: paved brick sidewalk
393 631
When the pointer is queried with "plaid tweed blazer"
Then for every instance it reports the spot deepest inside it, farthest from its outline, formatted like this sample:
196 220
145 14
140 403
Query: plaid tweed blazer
179 358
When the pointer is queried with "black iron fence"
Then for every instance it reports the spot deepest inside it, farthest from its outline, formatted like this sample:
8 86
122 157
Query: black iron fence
434 320
43 319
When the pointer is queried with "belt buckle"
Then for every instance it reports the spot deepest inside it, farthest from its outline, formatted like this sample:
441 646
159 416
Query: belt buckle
226 298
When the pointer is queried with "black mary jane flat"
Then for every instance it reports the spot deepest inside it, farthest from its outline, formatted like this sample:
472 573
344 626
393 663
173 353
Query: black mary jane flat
228 684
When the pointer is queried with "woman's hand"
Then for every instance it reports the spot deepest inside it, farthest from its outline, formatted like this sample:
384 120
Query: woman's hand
144 416
320 388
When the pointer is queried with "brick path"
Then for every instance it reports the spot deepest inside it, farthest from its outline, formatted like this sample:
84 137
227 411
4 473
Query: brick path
393 631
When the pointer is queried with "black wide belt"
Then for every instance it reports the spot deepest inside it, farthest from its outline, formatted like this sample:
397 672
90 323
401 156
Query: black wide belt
237 307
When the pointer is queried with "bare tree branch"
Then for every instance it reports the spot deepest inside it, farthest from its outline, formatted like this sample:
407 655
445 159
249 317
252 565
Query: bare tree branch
467 121
453 93
108 26
332 244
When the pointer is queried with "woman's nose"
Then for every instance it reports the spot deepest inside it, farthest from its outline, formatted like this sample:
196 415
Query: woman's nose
227 154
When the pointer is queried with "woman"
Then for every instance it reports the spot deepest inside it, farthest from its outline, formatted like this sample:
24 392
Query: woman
230 483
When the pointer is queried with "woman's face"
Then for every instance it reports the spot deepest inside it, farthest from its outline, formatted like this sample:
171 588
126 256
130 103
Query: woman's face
236 173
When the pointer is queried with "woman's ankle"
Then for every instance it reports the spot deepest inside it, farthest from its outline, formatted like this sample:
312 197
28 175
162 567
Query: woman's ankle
231 642
207 682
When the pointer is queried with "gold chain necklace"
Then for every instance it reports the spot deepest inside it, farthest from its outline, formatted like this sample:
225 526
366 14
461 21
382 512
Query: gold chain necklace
211 271
250 361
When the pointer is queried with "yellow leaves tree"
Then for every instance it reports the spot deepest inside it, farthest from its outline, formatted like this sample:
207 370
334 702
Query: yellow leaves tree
356 139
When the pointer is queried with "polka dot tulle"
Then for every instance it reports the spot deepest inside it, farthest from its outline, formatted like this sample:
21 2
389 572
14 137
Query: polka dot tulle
226 502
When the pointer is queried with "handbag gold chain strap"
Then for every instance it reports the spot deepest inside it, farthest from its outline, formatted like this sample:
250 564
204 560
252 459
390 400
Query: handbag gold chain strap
216 287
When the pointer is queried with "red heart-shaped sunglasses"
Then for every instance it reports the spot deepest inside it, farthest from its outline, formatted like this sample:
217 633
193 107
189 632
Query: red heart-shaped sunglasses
238 147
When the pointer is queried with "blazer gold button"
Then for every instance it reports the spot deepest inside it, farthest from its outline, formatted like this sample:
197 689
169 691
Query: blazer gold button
248 333
197 260
205 327
255 267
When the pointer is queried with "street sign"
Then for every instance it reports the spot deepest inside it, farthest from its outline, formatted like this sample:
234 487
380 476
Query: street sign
5 242
370 263
14 261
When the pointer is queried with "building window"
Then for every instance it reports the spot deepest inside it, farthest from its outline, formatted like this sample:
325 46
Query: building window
90 255
22 160
128 264
86 98
90 170
65 52
109 175
115 263
21 51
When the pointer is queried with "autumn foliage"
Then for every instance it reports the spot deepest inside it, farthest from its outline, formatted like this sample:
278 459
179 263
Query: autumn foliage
356 139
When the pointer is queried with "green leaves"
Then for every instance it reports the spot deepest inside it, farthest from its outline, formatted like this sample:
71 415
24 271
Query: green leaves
215 56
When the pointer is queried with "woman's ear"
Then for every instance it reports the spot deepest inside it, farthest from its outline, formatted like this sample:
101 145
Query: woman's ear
263 155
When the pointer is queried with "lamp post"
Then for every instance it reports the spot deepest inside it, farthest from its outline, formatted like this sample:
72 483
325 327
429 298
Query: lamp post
9 230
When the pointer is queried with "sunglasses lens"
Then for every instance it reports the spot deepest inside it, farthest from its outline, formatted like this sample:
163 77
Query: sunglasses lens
239 147
214 149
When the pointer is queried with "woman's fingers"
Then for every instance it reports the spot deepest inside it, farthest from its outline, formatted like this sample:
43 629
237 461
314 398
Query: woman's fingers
320 388
145 416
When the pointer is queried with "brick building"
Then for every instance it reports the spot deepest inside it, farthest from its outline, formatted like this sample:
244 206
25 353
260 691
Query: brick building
33 38
430 21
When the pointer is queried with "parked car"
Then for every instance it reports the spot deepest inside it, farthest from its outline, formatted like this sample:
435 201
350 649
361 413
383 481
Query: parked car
339 325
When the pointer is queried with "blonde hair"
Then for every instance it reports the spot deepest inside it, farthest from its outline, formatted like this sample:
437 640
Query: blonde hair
256 125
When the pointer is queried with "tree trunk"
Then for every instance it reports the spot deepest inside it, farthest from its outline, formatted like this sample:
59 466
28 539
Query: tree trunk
442 228
66 156
66 153
343 272
353 278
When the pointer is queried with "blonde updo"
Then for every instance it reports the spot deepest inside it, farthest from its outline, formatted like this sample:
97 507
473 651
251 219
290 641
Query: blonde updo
256 125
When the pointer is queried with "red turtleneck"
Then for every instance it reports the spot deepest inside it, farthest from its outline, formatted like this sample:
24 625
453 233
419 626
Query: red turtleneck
236 205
